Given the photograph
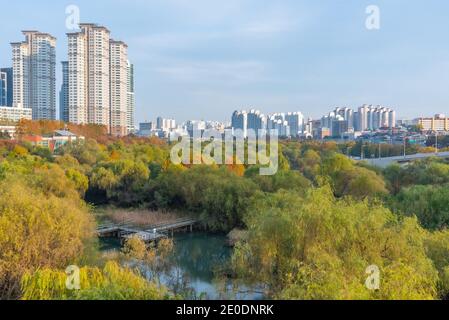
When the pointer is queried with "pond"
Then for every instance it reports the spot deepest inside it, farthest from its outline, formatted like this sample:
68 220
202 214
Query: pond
198 262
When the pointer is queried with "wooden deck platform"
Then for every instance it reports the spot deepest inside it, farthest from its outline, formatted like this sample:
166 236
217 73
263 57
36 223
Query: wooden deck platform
149 234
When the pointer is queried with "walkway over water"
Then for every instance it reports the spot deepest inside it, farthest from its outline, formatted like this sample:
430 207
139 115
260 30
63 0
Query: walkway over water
385 162
149 234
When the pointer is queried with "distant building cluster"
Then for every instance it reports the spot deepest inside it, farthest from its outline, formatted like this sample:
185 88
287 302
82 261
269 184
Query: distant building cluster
343 121
168 128
287 124
97 80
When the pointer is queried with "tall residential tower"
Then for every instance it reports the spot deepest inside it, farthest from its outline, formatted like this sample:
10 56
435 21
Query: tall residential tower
131 101
98 79
64 93
119 87
34 74
6 87
89 75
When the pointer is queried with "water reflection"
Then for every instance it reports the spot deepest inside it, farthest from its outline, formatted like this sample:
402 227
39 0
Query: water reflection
197 268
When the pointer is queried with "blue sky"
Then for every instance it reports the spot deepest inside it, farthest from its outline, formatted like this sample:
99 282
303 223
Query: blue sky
202 59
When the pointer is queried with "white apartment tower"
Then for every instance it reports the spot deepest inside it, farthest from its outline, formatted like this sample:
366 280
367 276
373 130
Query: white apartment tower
131 103
98 79
119 87
89 75
34 74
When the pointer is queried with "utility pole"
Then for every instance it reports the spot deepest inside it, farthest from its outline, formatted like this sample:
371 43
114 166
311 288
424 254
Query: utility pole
405 147
436 142
361 150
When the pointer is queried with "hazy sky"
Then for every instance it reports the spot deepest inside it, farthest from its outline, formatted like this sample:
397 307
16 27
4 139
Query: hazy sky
202 59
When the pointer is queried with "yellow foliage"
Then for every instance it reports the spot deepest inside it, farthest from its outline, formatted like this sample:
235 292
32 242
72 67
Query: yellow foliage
110 283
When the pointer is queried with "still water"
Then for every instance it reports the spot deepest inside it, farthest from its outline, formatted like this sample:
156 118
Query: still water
198 262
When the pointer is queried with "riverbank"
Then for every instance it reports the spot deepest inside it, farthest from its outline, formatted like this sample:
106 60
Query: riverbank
198 268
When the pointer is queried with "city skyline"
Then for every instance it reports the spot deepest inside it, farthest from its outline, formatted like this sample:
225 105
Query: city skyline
284 56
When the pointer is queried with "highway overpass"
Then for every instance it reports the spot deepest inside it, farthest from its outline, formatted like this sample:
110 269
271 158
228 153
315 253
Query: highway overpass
385 162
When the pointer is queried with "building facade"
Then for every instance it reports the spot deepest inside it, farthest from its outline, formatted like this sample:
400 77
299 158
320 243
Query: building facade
3 87
131 100
98 79
64 93
295 121
119 87
438 123
34 74
89 75
6 87
14 114
240 122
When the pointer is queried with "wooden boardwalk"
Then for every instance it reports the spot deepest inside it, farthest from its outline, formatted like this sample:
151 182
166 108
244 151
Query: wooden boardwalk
149 234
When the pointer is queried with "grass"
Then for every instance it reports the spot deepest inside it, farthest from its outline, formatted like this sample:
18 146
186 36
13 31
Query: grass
139 217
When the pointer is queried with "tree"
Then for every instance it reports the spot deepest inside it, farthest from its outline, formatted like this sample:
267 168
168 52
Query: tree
319 247
110 283
430 204
437 247
38 230
350 180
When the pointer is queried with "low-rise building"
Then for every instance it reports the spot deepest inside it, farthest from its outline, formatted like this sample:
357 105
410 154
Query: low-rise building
55 141
15 114
438 123
8 131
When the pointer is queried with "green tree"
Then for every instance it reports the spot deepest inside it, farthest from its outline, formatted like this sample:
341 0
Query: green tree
319 247
38 230
111 283
430 204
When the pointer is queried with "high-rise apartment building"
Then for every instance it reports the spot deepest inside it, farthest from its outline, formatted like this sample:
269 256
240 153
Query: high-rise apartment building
165 124
6 87
240 122
34 74
3 86
98 79
375 117
256 121
295 121
64 93
89 83
131 101
119 87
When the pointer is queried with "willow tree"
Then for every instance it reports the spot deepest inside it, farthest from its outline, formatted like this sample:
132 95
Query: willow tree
320 247
38 230
110 283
